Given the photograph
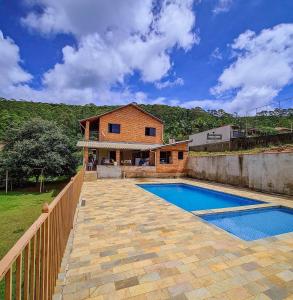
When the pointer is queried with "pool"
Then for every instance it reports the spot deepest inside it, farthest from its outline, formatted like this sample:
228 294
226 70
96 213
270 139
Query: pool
192 198
254 224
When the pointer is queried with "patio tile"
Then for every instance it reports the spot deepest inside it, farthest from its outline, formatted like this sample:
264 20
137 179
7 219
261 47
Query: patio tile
130 244
286 275
132 281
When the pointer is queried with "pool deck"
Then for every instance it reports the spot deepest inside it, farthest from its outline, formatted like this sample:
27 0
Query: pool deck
130 244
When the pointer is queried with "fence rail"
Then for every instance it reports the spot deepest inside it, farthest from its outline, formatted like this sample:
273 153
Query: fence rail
30 269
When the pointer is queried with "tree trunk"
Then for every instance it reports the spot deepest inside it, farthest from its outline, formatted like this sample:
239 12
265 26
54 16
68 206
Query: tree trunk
37 179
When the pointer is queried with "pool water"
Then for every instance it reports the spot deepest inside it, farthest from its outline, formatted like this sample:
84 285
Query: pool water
191 198
254 224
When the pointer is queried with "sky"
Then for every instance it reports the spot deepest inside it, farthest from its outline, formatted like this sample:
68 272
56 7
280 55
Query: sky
234 55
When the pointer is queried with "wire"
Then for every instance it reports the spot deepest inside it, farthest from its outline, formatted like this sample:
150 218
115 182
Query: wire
279 101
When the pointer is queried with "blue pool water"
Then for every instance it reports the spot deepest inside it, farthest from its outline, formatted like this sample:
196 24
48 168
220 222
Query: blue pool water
254 224
192 198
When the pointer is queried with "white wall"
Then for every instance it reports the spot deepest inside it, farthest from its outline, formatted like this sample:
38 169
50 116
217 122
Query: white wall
201 137
269 172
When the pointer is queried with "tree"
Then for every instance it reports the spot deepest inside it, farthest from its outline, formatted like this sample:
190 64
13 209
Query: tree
36 147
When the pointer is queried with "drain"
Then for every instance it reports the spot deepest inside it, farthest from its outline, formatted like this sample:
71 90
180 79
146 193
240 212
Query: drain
82 202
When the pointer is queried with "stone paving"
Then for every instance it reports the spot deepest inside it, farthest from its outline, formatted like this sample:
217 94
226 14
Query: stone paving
129 244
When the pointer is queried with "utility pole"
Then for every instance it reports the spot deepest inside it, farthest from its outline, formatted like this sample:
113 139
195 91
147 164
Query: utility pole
246 115
6 186
41 181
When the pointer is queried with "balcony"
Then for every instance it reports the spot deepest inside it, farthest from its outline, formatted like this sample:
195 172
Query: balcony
94 135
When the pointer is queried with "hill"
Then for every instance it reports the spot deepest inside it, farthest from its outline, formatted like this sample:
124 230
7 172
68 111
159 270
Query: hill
179 121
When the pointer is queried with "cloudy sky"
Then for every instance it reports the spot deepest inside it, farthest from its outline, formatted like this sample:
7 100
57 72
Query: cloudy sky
231 54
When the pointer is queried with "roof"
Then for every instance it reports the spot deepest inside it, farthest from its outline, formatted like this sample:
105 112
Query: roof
116 109
172 144
282 129
215 128
124 145
117 145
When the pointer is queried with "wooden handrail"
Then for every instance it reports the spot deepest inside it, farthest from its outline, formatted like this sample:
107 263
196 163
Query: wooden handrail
12 254
35 259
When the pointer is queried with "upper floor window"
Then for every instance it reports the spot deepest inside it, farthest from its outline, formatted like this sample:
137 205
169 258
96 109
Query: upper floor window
150 131
180 155
114 128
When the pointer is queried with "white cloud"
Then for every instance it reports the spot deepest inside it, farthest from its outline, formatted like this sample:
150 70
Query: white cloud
222 6
216 54
114 39
263 66
12 74
83 17
169 83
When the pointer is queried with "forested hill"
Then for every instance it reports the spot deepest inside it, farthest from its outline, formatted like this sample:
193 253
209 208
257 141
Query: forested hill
179 122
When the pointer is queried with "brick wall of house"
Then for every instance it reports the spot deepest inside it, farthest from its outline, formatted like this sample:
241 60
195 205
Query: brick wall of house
177 166
132 126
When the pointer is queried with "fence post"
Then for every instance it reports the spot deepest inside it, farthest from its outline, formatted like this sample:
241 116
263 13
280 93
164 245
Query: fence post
46 237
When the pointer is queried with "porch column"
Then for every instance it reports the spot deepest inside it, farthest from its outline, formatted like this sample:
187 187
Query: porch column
85 156
87 131
118 157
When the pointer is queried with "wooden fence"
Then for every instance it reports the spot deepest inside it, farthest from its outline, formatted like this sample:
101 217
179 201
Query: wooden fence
31 267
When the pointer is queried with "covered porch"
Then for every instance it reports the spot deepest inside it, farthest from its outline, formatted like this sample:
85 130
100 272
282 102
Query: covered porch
117 154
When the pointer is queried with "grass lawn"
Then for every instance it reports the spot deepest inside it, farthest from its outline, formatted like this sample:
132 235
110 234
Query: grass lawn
18 210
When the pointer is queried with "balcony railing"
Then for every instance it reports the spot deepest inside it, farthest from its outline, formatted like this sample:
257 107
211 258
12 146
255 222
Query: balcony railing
30 269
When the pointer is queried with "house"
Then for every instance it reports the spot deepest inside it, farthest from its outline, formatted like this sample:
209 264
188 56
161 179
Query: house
128 141
216 139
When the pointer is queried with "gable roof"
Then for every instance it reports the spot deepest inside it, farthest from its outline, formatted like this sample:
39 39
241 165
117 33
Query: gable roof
118 108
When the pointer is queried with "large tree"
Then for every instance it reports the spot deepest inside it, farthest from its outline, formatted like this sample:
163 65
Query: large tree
38 147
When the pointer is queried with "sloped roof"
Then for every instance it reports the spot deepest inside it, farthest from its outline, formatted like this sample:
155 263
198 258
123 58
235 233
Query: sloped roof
172 144
125 145
117 145
116 109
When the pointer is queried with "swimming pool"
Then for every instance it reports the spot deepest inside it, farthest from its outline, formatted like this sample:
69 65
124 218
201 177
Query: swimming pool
254 224
192 198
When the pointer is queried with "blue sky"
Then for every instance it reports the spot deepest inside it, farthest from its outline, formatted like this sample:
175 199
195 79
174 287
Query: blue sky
231 54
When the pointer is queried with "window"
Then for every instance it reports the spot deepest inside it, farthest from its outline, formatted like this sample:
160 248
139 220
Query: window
165 157
114 128
150 131
180 154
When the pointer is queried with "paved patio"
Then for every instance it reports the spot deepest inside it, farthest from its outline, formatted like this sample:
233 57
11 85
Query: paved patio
130 244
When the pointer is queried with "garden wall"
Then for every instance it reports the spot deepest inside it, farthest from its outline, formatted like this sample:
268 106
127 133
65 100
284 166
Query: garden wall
268 172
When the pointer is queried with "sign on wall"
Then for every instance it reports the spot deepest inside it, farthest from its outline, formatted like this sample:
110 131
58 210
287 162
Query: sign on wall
214 136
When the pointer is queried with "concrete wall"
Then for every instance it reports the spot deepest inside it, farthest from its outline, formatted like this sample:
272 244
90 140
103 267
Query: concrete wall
269 172
201 138
132 172
109 171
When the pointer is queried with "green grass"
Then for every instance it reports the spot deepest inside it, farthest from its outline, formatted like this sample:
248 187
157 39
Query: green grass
18 210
